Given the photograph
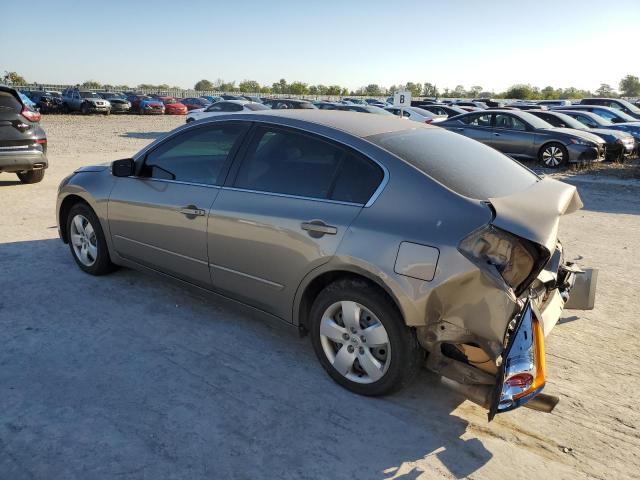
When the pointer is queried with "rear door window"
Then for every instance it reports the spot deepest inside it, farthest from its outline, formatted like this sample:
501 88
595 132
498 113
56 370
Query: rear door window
480 120
196 156
286 162
509 122
357 179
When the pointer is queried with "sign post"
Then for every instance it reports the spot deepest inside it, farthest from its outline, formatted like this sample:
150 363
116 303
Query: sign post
402 99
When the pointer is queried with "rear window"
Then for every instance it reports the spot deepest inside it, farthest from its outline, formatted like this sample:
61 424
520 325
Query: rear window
9 103
459 163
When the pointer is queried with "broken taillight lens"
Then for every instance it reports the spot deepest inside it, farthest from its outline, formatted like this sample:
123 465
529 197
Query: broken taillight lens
505 256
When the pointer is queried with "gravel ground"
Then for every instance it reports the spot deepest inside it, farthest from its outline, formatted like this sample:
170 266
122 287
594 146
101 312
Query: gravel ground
127 376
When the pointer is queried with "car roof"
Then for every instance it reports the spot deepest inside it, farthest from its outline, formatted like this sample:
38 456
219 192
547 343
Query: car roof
353 123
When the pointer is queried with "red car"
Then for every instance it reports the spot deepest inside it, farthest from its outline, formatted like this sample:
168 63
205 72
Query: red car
173 106
193 103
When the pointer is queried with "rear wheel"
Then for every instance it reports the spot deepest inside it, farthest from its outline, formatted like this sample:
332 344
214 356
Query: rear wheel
31 176
361 340
87 241
84 109
553 155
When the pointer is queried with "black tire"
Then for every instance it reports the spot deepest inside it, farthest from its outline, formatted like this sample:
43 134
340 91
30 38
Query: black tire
84 109
102 264
407 356
31 176
108 112
65 109
553 155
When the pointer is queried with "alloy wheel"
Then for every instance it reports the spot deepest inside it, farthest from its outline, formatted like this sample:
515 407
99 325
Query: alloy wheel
355 342
553 156
83 240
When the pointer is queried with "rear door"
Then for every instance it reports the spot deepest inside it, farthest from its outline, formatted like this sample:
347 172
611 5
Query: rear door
511 135
284 212
160 217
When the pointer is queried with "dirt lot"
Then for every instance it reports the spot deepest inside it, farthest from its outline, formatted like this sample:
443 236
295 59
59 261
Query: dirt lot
127 376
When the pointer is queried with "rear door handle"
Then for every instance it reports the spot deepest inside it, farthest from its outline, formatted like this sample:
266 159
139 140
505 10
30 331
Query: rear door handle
496 134
317 228
192 211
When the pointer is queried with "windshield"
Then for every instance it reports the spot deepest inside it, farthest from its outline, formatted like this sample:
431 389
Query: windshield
168 101
629 105
625 116
90 95
461 164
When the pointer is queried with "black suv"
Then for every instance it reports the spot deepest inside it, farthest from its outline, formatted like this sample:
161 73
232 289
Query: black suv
23 143
617 103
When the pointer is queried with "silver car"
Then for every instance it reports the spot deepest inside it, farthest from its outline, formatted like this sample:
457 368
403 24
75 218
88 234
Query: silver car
388 242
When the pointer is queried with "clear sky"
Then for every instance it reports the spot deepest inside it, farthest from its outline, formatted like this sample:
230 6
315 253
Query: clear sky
493 44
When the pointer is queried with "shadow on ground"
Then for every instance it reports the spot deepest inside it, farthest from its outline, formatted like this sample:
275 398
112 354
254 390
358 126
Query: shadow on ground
127 375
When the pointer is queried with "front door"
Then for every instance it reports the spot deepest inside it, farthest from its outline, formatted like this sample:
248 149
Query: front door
159 218
285 212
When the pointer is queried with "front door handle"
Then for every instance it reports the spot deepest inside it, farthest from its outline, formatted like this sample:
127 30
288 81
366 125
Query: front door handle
317 228
191 211
496 134
459 129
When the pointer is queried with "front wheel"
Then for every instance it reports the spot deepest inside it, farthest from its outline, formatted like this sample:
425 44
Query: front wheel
553 155
361 340
87 241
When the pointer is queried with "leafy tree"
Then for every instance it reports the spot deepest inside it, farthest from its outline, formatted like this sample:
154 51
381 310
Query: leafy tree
203 85
334 90
430 90
250 86
280 86
630 86
13 78
475 91
521 92
605 90
298 88
265 89
459 91
373 90
313 90
91 84
414 88
228 86
549 93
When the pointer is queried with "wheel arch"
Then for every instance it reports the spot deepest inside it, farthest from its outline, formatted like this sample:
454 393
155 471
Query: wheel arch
312 285
63 211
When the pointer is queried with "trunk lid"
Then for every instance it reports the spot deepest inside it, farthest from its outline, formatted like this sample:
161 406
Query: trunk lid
534 213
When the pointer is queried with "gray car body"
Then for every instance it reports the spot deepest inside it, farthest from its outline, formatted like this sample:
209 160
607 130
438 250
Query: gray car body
527 143
249 245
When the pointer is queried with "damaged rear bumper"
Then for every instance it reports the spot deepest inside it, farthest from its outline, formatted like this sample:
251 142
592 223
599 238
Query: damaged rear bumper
518 375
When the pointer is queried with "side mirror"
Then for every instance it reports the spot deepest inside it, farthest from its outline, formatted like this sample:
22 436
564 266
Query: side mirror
123 168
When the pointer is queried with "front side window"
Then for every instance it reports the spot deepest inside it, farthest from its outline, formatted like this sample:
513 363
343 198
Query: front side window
196 156
285 162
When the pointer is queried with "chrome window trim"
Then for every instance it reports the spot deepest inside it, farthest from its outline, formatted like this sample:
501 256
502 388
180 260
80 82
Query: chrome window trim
179 182
273 121
287 195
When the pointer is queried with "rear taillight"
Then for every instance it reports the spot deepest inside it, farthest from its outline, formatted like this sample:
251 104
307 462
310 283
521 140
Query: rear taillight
428 120
41 141
30 115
